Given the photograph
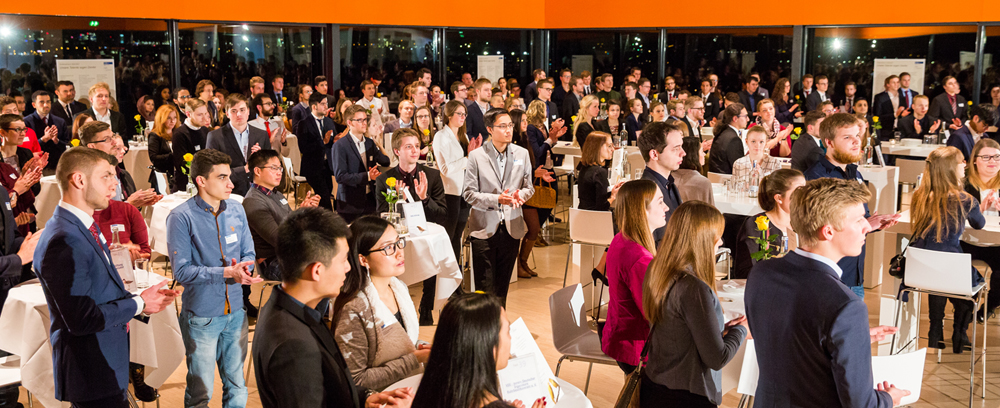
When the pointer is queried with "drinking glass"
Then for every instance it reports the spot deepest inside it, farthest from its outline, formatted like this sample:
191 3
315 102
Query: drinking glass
896 136
638 174
141 272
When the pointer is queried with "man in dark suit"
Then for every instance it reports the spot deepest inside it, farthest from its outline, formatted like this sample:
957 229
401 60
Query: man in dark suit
906 95
423 185
565 87
810 331
278 90
545 88
53 136
749 95
301 108
845 101
820 96
965 137
100 110
949 107
315 134
295 358
480 103
571 103
808 148
355 159
238 140
531 90
88 304
16 253
887 107
728 145
713 105
189 138
803 90
66 107
669 91
918 124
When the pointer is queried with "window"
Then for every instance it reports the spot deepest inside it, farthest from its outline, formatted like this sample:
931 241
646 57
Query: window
394 53
464 45
606 51
732 54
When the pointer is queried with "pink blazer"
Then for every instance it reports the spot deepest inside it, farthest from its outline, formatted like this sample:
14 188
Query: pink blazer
626 329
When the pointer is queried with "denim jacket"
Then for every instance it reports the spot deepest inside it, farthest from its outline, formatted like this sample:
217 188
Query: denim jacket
201 244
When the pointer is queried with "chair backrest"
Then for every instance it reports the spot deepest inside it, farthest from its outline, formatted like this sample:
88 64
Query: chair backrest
946 272
289 170
568 317
294 153
909 170
592 227
237 197
717 178
635 162
750 371
576 162
161 183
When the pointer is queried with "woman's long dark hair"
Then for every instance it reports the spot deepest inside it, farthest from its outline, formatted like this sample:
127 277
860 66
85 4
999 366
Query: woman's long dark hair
462 369
365 233
521 138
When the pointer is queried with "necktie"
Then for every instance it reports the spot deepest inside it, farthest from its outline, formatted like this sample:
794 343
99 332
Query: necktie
267 127
69 113
97 234
908 98
954 106
45 121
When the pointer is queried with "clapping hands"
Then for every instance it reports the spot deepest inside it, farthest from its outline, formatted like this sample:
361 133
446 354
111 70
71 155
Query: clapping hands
512 199
240 272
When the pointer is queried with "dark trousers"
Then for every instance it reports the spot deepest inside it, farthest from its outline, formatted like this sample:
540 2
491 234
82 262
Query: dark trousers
963 312
458 216
10 393
322 185
493 261
990 255
427 297
626 367
653 395
114 401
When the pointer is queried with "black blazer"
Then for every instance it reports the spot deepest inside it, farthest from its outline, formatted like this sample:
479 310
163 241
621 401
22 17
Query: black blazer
297 112
223 140
813 101
902 98
435 206
74 108
582 131
592 185
745 100
712 105
805 153
941 108
315 153
11 271
962 139
569 108
475 124
186 141
352 175
118 123
296 361
54 147
800 311
632 125
908 130
128 184
882 107
161 157
726 149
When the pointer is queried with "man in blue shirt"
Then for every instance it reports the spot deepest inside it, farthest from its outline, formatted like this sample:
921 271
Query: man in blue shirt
840 134
212 252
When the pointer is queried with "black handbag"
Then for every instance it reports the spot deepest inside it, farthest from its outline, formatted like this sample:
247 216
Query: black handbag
897 267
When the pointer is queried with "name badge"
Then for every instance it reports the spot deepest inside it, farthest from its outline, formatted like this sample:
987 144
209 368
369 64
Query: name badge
961 105
708 103
230 238
518 162
117 228
8 206
283 201
27 139
197 147
13 176
553 117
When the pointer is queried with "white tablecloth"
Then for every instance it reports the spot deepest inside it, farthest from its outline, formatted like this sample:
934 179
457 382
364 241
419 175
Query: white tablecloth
733 204
917 150
571 396
430 254
137 163
47 199
24 331
732 306
158 221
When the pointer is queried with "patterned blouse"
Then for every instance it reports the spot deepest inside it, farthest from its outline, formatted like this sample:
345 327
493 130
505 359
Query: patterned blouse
744 169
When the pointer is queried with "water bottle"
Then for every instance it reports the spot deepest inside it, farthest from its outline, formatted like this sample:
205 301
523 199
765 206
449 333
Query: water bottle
548 160
122 260
623 136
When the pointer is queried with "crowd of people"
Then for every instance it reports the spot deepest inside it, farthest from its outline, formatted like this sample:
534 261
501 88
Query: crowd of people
341 326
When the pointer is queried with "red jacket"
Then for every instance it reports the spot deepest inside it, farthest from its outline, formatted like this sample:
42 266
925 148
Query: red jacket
129 217
626 328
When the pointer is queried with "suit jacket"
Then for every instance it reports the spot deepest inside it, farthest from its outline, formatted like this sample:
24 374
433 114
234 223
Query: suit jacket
264 214
747 103
903 100
128 184
814 99
393 125
941 108
799 311
484 183
185 141
435 206
475 124
224 140
297 112
89 310
530 93
315 153
118 123
297 362
353 195
161 157
882 107
276 99
11 271
712 105
569 109
74 108
962 139
908 130
726 149
805 153
54 147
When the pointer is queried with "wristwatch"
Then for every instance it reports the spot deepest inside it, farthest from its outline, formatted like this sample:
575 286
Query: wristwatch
13 198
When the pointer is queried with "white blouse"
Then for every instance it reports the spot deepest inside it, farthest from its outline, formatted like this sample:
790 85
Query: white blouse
451 159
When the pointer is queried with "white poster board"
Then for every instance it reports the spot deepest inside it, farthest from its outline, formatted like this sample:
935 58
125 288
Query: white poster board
583 63
84 73
490 67
886 67
967 59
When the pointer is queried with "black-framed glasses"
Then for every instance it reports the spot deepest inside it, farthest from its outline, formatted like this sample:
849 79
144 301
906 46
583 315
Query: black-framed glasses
18 130
995 157
390 248
272 168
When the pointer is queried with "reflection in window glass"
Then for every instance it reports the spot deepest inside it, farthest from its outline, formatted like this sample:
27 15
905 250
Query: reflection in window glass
731 54
463 45
605 51
392 54
991 67
32 44
848 53
230 54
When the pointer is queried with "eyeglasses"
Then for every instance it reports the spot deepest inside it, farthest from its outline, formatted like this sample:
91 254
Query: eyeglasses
18 130
546 89
272 168
390 248
461 114
423 116
358 120
995 157
504 126
183 97
701 108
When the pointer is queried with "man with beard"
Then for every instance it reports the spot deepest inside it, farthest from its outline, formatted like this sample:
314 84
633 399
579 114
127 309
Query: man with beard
840 134
264 109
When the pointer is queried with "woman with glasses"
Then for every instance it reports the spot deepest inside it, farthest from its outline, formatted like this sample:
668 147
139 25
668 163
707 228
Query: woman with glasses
159 145
20 172
376 322
983 184
451 151
424 124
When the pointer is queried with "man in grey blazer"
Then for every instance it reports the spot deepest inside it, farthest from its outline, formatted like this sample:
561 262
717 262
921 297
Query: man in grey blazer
238 140
497 183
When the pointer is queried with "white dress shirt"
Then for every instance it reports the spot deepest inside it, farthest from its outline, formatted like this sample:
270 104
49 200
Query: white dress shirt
816 257
741 134
242 139
106 118
367 103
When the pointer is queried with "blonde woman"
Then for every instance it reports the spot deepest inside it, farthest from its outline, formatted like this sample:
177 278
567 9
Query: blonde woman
938 212
159 144
584 123
779 141
689 341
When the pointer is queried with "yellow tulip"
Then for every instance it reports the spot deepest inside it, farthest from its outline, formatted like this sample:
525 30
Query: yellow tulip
391 182
137 117
427 132
372 106
875 119
573 117
762 223
798 131
188 157
75 142
379 94
602 100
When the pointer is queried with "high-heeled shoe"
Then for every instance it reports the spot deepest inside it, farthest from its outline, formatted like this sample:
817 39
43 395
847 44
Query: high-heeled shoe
960 342
935 337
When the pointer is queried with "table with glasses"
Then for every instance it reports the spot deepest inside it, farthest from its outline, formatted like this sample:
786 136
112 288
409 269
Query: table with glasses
570 397
914 148
24 331
429 253
137 163
47 199
158 221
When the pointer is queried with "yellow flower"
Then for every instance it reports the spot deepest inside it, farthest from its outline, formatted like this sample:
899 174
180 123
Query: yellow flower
137 117
379 94
284 98
796 97
656 96
391 182
511 94
798 131
372 106
188 157
762 223
875 119
573 118
427 132
602 100
75 142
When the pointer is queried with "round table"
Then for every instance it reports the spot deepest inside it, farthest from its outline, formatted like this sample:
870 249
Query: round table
429 253
24 331
158 221
47 199
137 163
571 396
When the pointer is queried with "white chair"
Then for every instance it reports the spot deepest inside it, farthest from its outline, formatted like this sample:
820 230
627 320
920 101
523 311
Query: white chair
946 274
909 170
593 228
749 374
717 178
10 374
571 334
161 183
292 177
